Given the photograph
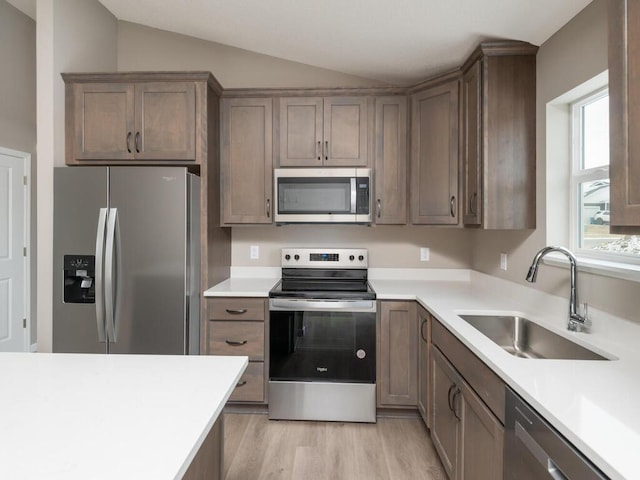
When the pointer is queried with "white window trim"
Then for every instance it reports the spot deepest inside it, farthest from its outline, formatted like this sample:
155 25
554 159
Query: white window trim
608 262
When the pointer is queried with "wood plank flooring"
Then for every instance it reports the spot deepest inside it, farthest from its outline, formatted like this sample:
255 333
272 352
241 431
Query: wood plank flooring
391 449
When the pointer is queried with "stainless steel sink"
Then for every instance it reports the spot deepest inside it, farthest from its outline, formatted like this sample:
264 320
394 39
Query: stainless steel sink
523 338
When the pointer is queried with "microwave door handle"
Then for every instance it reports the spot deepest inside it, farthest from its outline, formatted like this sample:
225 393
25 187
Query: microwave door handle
353 195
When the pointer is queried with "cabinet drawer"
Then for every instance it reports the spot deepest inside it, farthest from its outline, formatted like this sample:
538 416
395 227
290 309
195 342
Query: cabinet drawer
488 386
250 388
237 338
240 308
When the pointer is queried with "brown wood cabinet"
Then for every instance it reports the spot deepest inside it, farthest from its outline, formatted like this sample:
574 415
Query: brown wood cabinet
498 136
237 326
467 410
465 433
323 132
624 115
424 374
434 154
127 119
246 168
391 160
397 377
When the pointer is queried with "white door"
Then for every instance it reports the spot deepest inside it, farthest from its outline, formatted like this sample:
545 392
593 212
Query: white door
12 258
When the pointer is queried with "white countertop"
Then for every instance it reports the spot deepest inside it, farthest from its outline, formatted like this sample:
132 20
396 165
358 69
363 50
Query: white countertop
74 416
592 403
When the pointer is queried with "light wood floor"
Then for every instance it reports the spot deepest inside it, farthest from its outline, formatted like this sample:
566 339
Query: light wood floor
392 449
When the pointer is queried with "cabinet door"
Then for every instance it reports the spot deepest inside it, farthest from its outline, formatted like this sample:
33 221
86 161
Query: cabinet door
472 144
103 122
481 438
345 132
301 132
398 354
165 121
424 376
246 160
624 114
445 429
434 156
391 160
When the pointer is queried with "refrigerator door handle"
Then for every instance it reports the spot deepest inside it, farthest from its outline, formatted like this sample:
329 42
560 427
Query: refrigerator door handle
112 285
100 307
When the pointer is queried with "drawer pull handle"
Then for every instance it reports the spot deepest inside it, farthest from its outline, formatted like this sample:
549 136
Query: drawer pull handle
129 142
236 311
233 343
241 384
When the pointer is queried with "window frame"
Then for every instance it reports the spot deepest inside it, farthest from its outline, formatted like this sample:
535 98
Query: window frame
579 175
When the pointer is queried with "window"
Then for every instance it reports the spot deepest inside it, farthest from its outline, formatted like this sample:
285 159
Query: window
590 189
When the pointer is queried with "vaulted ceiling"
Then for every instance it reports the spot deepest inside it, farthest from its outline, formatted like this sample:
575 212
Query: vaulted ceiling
395 41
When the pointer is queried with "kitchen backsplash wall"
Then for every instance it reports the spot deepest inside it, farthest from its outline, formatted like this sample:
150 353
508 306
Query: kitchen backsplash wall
389 246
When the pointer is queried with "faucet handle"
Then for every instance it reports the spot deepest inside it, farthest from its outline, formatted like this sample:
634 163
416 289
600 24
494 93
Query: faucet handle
578 322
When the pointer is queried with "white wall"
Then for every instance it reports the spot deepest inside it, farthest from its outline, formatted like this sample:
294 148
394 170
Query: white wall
71 36
145 48
572 56
18 107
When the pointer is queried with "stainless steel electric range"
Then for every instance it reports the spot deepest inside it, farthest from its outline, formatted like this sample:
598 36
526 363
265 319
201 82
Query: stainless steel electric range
322 337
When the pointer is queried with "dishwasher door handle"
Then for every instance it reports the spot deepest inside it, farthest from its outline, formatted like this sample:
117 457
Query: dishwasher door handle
539 453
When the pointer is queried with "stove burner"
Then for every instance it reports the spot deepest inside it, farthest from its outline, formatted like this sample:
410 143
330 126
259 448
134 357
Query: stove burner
309 281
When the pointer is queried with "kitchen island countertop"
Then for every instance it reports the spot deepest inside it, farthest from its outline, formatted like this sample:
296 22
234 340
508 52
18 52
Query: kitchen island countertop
80 416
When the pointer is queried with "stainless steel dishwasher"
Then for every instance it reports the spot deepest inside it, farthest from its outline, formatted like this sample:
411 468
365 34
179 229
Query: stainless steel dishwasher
535 450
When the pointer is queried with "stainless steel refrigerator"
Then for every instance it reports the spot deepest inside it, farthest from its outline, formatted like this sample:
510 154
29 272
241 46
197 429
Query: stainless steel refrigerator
126 260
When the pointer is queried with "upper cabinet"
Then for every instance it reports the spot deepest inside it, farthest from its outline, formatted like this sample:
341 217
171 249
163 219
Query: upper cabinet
329 132
624 114
498 136
125 119
434 154
246 166
390 206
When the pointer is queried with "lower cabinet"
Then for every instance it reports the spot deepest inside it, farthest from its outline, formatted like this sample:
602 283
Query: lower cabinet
397 376
237 327
424 347
466 433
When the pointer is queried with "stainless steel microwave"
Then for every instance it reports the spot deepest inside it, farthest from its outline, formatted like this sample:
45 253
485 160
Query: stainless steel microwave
322 195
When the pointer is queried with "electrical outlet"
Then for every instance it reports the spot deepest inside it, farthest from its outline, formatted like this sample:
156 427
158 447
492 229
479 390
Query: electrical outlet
254 252
424 254
503 261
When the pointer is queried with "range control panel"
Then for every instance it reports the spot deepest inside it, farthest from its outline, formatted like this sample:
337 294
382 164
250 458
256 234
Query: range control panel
325 258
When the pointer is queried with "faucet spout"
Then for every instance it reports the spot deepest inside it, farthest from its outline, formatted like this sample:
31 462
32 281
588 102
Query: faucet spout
575 319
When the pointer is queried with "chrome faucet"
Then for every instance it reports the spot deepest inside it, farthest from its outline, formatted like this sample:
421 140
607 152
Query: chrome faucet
576 321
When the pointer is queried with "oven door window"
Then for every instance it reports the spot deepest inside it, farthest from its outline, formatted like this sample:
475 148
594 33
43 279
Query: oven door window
315 195
329 346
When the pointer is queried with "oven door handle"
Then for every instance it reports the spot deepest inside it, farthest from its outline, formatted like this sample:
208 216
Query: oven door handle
322 305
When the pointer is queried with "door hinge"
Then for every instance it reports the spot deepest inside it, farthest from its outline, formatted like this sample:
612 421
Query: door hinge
24 179
24 251
24 323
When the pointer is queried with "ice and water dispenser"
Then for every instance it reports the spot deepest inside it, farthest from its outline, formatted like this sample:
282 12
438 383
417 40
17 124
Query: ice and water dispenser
79 279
